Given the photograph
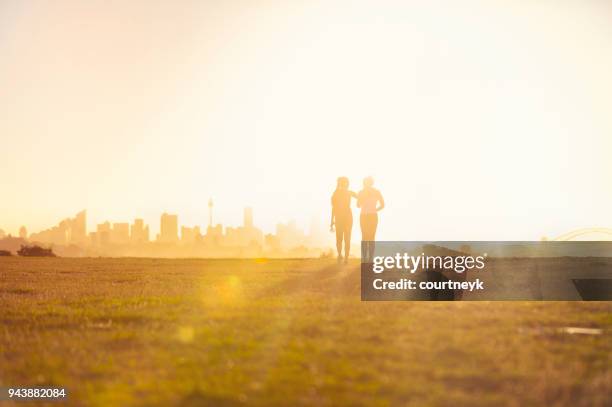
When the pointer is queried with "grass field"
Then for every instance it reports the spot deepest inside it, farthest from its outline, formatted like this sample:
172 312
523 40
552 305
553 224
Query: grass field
283 332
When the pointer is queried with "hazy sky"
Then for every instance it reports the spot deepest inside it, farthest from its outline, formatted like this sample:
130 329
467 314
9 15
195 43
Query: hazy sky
478 119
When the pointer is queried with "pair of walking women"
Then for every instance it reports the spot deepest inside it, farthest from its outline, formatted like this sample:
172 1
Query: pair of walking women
370 201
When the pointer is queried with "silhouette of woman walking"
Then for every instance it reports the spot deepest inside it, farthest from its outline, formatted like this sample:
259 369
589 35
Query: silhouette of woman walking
370 200
342 217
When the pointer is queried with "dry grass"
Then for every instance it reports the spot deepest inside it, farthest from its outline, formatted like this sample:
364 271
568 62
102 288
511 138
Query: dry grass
283 332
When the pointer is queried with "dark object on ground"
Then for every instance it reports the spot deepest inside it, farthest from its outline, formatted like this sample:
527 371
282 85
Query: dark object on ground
35 251
5 253
594 289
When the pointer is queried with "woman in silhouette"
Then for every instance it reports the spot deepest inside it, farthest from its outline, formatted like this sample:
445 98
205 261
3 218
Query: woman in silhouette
342 217
370 201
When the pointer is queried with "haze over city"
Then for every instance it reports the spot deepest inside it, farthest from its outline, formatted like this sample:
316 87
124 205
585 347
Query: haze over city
71 237
155 109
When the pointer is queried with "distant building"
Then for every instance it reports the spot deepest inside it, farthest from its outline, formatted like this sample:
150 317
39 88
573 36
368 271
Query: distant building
248 217
210 213
78 228
69 230
103 232
2 234
190 235
214 230
214 236
139 232
168 228
272 242
120 233
55 235
247 235
23 232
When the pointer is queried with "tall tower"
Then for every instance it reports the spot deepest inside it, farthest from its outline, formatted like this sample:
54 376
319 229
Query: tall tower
23 232
248 217
169 228
210 209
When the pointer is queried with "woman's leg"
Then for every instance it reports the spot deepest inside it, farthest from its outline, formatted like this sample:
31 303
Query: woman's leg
366 236
339 238
368 226
373 227
362 225
347 238
369 223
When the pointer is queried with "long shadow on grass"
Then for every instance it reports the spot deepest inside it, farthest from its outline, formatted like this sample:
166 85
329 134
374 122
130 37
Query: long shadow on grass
312 281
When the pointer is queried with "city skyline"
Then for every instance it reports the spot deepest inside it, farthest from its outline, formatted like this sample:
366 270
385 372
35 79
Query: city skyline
141 227
71 237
